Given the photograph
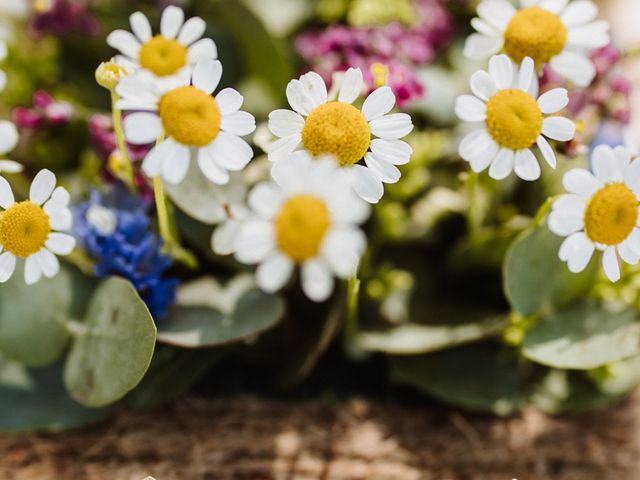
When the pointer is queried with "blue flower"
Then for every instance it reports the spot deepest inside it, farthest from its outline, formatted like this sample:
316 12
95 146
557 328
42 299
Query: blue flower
114 230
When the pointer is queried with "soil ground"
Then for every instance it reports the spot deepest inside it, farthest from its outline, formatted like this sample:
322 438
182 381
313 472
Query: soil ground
252 439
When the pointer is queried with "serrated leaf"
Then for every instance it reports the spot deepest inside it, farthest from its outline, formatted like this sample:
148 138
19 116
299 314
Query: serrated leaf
584 336
534 277
114 345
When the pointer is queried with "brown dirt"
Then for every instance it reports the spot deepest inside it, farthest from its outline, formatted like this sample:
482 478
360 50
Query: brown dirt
246 438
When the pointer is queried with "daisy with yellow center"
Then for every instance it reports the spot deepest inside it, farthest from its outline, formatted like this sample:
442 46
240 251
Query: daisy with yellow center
174 52
31 229
511 120
600 212
306 217
337 128
194 122
557 32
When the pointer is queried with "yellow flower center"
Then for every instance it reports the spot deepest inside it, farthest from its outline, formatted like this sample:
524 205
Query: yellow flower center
190 116
536 33
514 119
338 129
24 228
163 56
611 215
301 225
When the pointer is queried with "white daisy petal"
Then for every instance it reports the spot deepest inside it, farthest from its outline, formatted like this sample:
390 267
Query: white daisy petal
6 194
265 199
570 204
478 46
526 165
632 176
578 250
501 71
610 264
225 236
207 74
203 48
214 172
284 123
238 123
142 128
152 164
366 184
317 281
298 97
125 42
140 26
230 151
282 148
482 159
593 35
554 6
392 126
547 152
527 75
342 249
9 166
48 263
274 273
32 272
470 108
61 220
192 30
42 186
627 253
497 12
581 182
484 27
564 224
9 136
290 172
255 242
171 21
378 103
482 85
7 266
559 128
393 151
554 100
315 88
604 165
59 200
577 68
174 170
60 243
502 166
386 172
228 101
474 143
579 12
352 85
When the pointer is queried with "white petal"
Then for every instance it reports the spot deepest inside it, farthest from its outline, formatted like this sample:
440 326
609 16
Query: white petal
225 237
502 166
265 199
192 30
207 74
209 166
6 194
393 151
470 108
315 88
60 243
203 48
501 71
479 47
9 136
604 165
378 103
554 6
7 266
48 263
174 170
474 144
164 151
342 249
482 159
527 76
581 182
273 273
255 242
482 85
283 148
352 85
142 128
632 176
554 100
484 27
392 126
497 12
627 253
230 151
610 264
284 123
32 272
298 97
228 101
591 36
385 171
570 204
559 128
547 152
171 21
125 42
42 186
59 200
366 184
575 67
140 26
564 224
9 166
578 250
238 123
290 173
579 12
526 165
61 220
317 281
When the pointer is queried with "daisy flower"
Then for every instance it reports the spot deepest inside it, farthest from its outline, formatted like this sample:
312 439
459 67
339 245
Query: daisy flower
339 129
31 229
558 32
308 217
511 120
8 141
600 212
193 122
175 51
631 141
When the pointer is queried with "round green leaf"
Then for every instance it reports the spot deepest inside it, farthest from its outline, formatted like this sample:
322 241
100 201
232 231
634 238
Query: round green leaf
584 336
114 345
534 277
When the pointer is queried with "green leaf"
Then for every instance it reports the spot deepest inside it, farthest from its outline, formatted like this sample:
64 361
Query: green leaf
479 378
412 338
36 400
534 277
584 336
33 318
208 315
114 345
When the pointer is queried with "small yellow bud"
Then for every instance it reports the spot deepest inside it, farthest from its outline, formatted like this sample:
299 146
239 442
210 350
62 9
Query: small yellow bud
380 74
108 74
115 163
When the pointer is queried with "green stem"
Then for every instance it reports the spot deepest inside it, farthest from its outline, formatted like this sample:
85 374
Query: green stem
543 211
351 324
125 172
474 214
